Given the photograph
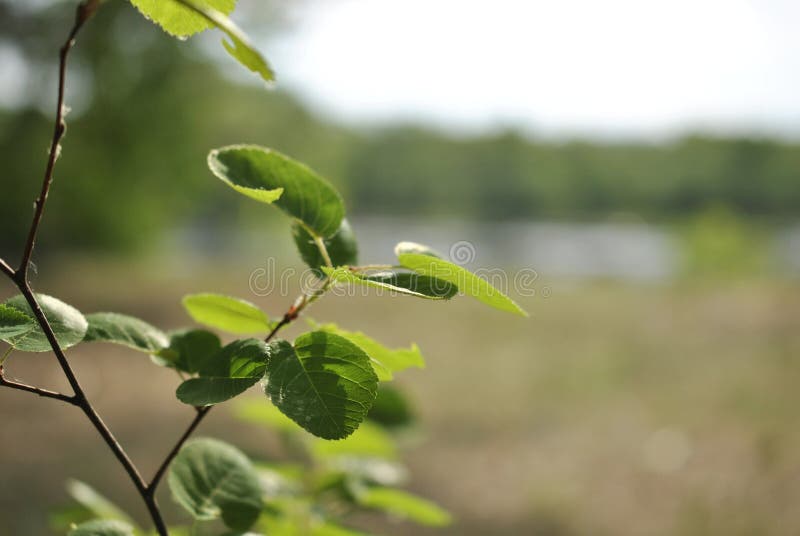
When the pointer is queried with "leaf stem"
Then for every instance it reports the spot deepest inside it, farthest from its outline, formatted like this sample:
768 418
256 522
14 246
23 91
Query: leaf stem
322 250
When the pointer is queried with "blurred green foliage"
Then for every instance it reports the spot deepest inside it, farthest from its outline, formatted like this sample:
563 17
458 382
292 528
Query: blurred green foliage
148 109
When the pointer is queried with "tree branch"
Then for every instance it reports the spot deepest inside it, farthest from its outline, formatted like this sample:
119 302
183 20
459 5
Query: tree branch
6 269
35 390
83 13
290 315
153 485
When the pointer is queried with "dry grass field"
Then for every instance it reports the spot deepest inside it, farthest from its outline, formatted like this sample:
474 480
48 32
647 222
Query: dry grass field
615 409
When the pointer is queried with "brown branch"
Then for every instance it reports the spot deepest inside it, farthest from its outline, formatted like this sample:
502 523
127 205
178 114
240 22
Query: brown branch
290 315
4 382
6 269
153 485
84 12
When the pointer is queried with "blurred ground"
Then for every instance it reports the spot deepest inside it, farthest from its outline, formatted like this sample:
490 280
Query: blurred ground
615 409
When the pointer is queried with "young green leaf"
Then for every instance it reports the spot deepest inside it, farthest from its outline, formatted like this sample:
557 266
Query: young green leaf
412 247
189 350
384 360
100 527
226 313
368 441
236 368
342 247
270 177
419 286
179 20
125 330
239 45
257 412
430 287
68 324
325 383
14 322
466 281
213 480
405 505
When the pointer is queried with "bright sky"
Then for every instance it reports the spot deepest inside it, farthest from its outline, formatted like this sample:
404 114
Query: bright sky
565 67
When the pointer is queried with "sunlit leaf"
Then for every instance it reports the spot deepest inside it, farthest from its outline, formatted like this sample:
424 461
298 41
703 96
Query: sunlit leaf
226 313
467 282
390 283
271 177
257 412
68 324
325 383
213 480
384 360
125 330
369 440
179 20
412 247
404 505
102 528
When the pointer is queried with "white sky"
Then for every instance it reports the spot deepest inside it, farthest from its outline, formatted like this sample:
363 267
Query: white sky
565 67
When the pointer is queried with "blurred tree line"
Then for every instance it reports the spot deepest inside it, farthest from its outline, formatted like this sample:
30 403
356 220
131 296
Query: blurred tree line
147 109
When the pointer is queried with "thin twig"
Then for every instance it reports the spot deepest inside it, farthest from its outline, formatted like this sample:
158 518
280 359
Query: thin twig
84 12
83 402
35 390
6 269
153 485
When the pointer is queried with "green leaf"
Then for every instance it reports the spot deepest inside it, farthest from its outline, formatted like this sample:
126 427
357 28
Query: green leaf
102 528
466 281
68 324
14 322
369 440
430 287
125 330
212 479
404 505
236 368
189 350
183 18
94 502
342 247
179 20
226 313
384 360
257 412
412 247
407 284
325 383
269 176
391 409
